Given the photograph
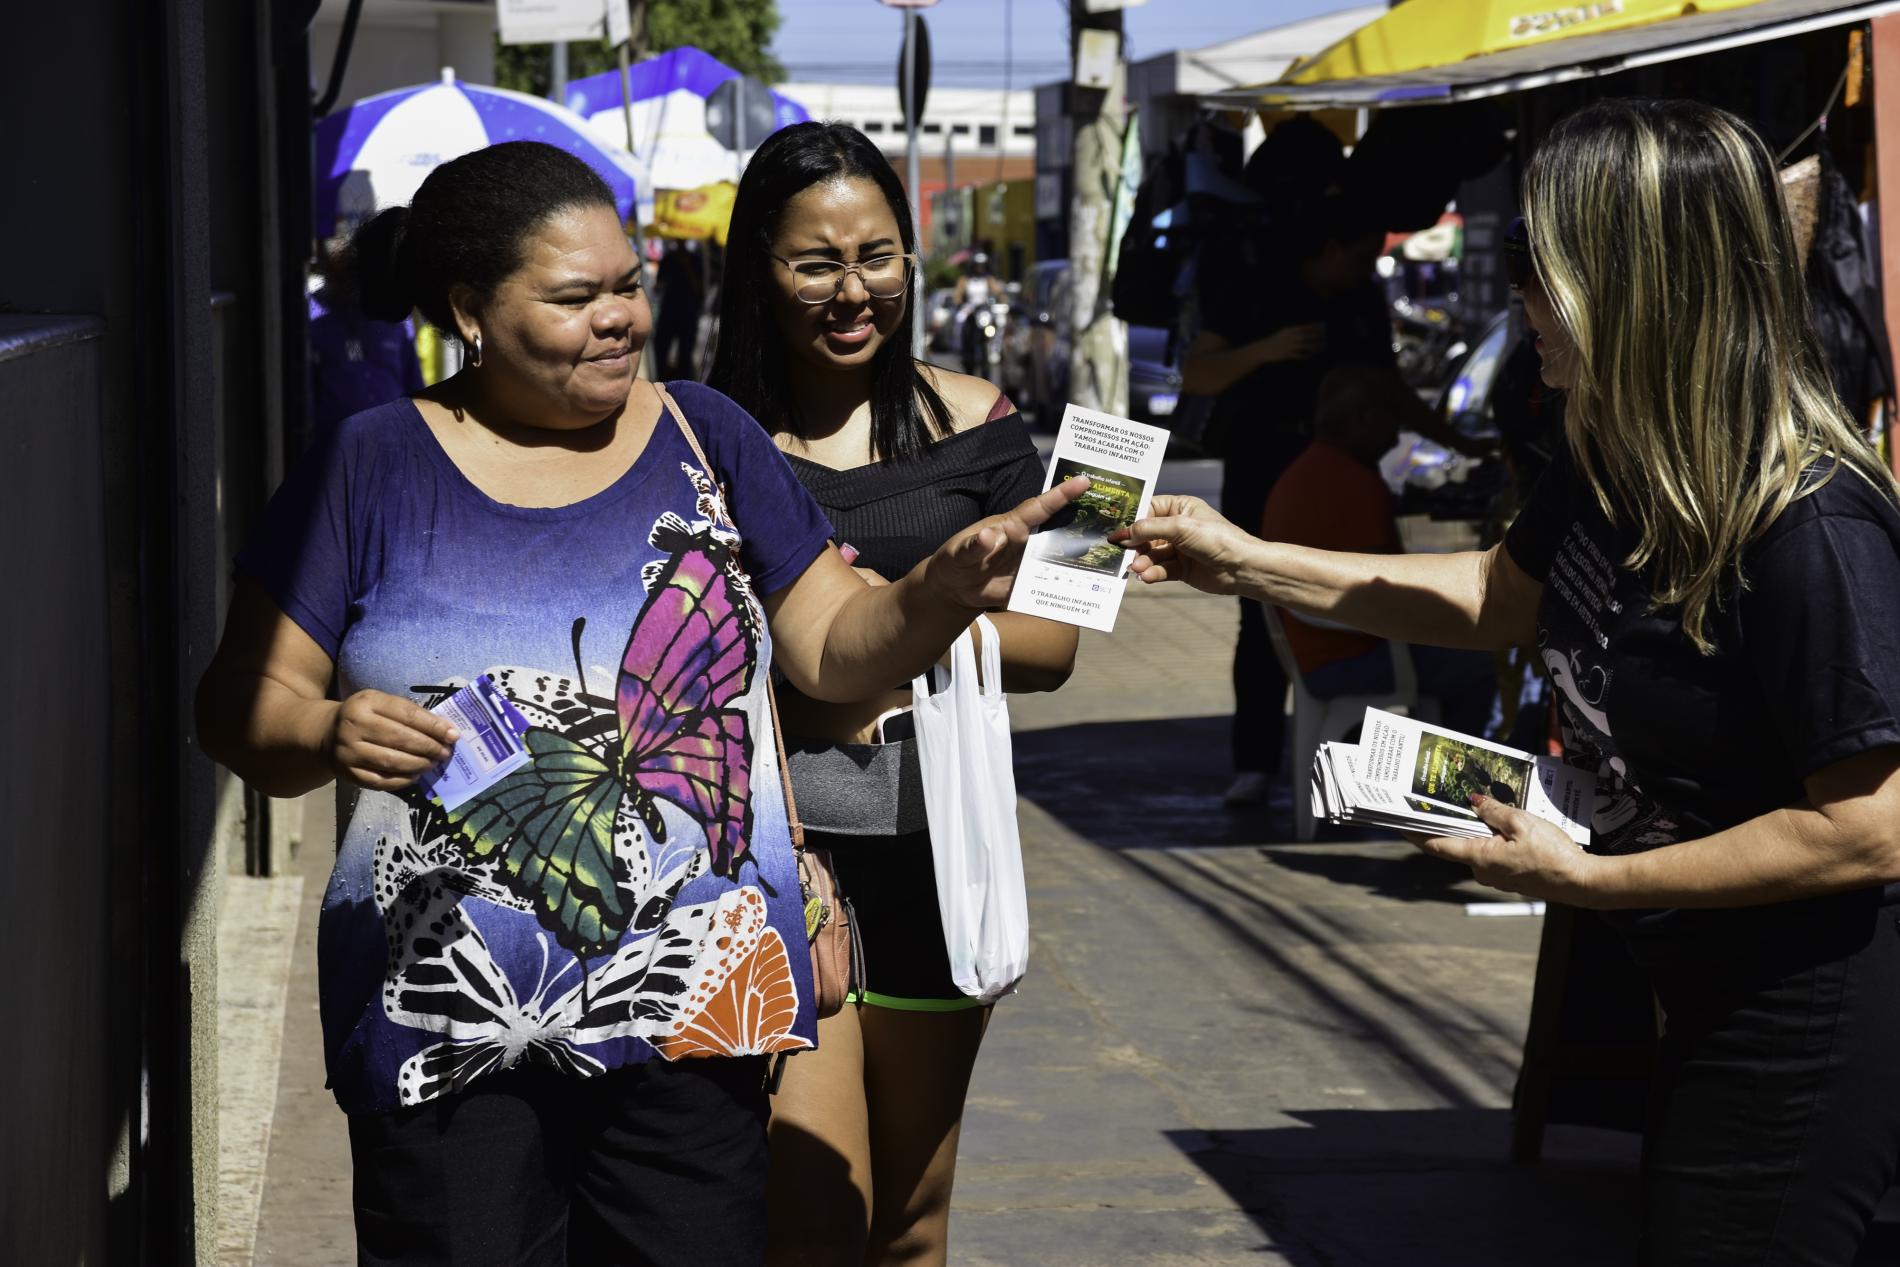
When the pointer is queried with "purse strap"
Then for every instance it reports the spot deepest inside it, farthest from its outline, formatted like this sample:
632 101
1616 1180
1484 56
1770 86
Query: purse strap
771 694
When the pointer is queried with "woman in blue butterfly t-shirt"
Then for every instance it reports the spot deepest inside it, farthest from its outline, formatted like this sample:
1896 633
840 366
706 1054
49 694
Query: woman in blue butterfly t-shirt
497 977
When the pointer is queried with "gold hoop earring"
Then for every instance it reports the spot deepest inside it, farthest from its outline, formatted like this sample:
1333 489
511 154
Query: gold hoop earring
475 361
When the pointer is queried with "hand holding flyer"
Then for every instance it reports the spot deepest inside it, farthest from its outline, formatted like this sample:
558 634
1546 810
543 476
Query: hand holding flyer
1071 571
1408 775
490 747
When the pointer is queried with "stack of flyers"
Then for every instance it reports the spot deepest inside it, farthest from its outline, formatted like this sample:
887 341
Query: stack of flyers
1071 571
1406 775
492 744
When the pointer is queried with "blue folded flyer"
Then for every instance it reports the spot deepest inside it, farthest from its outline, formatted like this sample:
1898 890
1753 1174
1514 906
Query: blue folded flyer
492 743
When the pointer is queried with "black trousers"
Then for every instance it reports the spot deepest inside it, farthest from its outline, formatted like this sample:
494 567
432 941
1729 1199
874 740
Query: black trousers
661 1164
1258 735
1775 1124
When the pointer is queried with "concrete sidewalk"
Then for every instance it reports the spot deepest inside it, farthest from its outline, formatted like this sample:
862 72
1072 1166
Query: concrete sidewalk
1229 1050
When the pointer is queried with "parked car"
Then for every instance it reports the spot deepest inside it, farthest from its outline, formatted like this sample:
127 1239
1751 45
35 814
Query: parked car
1036 346
940 306
1154 375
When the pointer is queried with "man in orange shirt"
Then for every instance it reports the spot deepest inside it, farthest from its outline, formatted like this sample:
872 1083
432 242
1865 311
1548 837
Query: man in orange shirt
1334 498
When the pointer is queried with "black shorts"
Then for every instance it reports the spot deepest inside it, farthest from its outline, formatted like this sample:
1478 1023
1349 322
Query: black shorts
892 884
660 1164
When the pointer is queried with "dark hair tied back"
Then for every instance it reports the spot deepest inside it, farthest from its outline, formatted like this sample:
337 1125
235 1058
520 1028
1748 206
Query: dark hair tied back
373 263
467 226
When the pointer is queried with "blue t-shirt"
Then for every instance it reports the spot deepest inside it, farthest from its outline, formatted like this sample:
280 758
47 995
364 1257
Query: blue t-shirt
632 891
357 362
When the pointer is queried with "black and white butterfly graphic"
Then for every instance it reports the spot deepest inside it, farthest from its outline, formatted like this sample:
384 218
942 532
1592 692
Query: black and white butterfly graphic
443 978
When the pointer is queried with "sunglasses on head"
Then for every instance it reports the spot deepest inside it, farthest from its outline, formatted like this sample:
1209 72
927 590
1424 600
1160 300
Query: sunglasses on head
1518 265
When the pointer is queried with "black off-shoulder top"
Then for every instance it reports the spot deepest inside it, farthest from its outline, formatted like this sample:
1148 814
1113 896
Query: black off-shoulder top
898 513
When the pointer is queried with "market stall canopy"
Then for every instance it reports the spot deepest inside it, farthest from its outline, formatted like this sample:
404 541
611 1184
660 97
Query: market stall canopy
671 145
1430 51
377 153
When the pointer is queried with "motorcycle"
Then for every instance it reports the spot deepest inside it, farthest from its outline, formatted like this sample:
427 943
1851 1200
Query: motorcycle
1426 339
983 336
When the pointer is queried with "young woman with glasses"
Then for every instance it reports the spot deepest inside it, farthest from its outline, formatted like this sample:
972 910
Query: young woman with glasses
814 341
1711 575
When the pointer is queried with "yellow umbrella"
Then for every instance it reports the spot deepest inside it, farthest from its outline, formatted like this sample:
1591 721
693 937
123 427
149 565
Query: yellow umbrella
1421 33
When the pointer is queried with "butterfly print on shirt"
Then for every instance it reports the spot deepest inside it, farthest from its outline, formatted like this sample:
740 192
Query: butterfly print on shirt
442 977
671 732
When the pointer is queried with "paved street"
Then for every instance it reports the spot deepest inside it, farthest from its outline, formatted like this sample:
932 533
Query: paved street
1235 1051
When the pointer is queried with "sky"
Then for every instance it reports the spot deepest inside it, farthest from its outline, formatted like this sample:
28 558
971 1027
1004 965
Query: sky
998 43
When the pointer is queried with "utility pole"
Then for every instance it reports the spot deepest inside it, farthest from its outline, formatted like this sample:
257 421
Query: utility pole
637 29
633 49
558 72
953 219
912 185
1098 358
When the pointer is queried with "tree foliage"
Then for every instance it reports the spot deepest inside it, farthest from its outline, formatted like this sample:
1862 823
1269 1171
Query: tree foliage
737 32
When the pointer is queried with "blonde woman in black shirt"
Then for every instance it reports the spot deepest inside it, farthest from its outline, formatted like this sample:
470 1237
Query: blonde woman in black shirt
1711 574
814 341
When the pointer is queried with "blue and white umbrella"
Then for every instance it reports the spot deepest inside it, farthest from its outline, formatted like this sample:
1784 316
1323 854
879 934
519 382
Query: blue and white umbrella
377 153
671 146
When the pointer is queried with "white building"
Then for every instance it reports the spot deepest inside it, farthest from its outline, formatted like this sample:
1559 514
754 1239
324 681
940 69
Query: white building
974 122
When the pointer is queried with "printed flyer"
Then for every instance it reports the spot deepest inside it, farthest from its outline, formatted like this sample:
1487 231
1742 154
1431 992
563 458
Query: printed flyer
1408 775
491 745
1071 571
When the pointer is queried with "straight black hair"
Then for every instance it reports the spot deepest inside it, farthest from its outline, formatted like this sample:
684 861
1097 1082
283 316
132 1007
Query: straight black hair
748 365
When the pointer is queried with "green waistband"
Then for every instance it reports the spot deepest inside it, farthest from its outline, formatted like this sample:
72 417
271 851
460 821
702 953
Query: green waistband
896 1004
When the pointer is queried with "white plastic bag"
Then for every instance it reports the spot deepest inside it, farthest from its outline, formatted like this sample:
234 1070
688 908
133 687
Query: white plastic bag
970 798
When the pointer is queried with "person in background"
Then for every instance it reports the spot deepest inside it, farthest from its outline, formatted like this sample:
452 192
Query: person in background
356 361
681 291
975 289
1710 571
548 1007
813 339
1332 497
1281 304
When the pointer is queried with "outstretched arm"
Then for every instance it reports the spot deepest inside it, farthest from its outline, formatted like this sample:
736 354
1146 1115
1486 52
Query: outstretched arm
1480 600
840 639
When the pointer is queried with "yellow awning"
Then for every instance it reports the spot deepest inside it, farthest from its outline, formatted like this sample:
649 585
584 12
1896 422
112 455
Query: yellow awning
695 215
1422 33
1432 51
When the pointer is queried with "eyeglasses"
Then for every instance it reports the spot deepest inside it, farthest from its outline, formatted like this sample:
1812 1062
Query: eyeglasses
816 281
1519 265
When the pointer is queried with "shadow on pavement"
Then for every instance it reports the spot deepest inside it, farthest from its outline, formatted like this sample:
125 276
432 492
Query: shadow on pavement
1414 878
1425 1188
1370 1001
1432 1188
1133 784
1161 779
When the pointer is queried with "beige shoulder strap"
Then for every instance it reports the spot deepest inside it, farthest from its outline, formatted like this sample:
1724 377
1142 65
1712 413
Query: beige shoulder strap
692 441
778 731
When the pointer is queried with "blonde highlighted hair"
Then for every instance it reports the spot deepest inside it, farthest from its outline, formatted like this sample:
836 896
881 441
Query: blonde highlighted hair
1701 406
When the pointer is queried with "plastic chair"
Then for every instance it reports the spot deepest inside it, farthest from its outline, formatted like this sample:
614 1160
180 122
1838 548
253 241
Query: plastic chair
1316 720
